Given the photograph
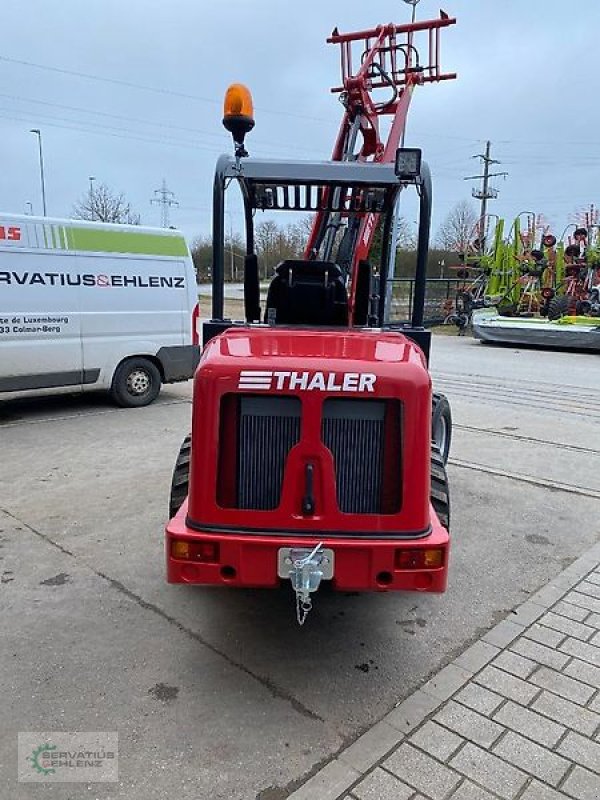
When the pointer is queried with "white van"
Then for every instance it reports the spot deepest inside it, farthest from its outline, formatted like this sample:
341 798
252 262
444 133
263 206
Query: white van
87 306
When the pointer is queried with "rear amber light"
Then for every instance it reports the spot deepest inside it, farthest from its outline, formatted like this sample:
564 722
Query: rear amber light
204 552
419 559
433 558
180 549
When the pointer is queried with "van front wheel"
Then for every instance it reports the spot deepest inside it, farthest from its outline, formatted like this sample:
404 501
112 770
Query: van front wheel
136 382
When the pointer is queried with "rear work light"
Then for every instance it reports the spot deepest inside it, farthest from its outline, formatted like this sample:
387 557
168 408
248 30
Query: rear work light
204 552
419 559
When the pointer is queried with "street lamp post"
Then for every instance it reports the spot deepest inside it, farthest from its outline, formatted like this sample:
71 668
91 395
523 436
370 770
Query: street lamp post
38 133
92 179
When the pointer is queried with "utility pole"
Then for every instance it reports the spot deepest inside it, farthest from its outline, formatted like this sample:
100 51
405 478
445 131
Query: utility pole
38 133
92 209
165 199
486 192
232 269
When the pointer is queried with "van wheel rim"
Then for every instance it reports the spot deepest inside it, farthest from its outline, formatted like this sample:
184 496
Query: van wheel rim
138 382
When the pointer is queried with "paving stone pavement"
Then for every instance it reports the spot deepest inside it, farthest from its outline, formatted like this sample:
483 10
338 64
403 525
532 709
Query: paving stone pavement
514 717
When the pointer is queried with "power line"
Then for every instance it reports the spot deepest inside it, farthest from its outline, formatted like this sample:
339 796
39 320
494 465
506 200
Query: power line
131 85
164 198
100 130
161 124
95 112
277 112
119 132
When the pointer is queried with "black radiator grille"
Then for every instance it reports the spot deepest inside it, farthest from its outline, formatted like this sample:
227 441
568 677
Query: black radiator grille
268 429
354 432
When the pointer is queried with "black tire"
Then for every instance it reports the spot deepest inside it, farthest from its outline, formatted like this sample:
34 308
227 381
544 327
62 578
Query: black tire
461 321
181 477
464 301
441 424
583 307
559 306
440 492
136 382
507 309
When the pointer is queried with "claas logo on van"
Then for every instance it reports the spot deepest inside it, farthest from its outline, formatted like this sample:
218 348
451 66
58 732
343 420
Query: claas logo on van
10 234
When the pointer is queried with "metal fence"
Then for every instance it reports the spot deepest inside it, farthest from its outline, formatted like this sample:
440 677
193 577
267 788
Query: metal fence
440 294
439 299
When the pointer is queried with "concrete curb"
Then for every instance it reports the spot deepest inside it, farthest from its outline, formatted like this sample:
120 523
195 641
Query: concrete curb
350 766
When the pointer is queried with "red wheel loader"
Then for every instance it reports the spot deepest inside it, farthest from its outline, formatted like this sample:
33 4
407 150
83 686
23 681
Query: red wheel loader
317 451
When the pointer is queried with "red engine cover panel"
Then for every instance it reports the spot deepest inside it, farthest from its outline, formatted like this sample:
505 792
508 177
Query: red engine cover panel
312 366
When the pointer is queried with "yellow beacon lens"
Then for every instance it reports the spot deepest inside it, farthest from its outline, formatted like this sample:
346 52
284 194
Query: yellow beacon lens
238 115
238 102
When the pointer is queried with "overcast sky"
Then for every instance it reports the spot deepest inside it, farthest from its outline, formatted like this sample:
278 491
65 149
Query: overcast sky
527 80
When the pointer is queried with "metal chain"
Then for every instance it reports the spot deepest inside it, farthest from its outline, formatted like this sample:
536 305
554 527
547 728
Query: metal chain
302 609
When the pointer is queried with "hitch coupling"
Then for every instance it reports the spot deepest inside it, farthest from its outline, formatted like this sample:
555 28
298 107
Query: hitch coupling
305 569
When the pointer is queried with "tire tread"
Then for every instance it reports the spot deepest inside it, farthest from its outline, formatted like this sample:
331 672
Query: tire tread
440 493
181 477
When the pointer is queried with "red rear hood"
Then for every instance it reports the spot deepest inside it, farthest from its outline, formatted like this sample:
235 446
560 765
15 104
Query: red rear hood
316 349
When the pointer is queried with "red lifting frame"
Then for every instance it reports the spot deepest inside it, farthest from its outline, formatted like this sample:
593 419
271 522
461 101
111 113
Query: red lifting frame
389 60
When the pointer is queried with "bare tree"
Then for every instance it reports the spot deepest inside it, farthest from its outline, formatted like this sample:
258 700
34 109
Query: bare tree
305 225
234 256
202 255
267 239
458 228
102 205
275 243
407 239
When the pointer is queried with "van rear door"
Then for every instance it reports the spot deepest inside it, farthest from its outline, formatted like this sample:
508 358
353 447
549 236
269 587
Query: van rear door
40 341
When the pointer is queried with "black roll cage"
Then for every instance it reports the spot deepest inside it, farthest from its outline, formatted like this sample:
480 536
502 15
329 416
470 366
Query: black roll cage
365 187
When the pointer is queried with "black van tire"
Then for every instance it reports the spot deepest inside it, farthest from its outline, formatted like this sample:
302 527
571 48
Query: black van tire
136 382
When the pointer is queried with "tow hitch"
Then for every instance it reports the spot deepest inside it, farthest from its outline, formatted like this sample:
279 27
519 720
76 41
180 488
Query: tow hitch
305 569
